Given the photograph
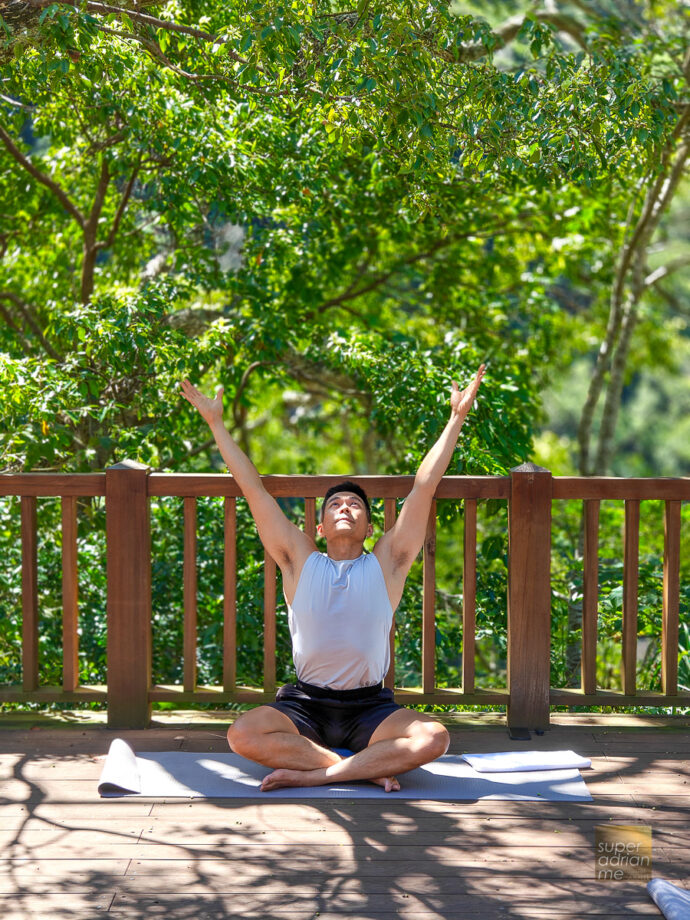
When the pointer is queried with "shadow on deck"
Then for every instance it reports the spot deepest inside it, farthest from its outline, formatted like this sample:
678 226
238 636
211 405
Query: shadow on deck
68 853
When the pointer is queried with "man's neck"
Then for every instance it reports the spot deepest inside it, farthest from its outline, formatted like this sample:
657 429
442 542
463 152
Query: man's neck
344 549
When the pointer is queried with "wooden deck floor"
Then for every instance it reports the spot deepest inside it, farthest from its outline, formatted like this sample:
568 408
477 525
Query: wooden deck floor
67 853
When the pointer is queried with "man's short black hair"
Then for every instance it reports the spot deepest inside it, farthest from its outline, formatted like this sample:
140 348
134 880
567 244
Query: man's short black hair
347 486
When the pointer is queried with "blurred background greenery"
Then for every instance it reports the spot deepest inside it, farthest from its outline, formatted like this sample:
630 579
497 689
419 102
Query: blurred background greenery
334 211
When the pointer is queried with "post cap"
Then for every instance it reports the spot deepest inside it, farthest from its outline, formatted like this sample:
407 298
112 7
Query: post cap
529 468
129 465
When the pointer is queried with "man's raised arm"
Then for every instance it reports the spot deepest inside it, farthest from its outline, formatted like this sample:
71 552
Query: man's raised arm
285 542
397 549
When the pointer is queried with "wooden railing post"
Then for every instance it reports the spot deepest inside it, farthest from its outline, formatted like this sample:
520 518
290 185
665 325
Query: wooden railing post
529 597
128 565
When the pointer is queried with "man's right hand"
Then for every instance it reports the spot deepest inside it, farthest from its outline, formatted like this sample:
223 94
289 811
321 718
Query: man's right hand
210 409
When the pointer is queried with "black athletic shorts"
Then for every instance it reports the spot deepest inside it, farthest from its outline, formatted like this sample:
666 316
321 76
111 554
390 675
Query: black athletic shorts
336 718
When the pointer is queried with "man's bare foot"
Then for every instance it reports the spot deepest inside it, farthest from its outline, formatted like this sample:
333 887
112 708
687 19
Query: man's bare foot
389 783
281 779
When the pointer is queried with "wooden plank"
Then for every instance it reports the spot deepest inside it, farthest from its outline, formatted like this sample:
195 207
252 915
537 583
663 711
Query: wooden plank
82 904
390 906
52 484
29 594
175 693
390 513
603 487
469 593
215 484
529 597
181 484
590 596
190 594
363 904
575 697
506 831
671 598
410 696
128 566
564 862
310 517
368 813
429 604
70 596
269 624
263 833
631 553
230 594
47 694
419 879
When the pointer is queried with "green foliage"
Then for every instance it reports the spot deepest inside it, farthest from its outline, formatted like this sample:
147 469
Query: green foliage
332 212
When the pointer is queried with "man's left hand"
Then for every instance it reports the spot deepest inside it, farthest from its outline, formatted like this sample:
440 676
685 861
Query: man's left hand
461 400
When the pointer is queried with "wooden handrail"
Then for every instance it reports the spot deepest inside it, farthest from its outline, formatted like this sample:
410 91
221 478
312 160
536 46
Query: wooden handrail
529 492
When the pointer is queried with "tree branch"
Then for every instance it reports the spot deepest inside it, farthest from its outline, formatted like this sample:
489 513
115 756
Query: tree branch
25 311
236 413
656 201
17 105
664 271
110 239
90 231
506 32
41 177
156 52
5 313
156 23
673 301
350 293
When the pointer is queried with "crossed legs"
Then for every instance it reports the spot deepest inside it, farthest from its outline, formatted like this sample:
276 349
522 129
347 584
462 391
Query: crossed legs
404 740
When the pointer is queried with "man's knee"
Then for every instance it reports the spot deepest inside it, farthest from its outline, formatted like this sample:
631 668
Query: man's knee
241 734
247 732
434 738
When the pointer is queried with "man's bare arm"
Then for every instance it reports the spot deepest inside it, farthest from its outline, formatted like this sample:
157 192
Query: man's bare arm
397 549
285 542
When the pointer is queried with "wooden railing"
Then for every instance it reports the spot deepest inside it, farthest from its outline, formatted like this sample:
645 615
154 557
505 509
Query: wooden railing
529 491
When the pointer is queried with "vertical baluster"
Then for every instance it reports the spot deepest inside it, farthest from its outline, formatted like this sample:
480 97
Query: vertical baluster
429 605
631 546
70 597
269 624
230 595
190 594
671 603
29 594
469 594
310 517
389 516
590 596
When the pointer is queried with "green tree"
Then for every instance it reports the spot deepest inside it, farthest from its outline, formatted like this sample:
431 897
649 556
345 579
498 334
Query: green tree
390 180
330 211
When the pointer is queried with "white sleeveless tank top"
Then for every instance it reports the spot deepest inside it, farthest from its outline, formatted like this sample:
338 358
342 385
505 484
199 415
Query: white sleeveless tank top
340 621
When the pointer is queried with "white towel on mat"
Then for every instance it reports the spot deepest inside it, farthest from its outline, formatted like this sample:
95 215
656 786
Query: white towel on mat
514 761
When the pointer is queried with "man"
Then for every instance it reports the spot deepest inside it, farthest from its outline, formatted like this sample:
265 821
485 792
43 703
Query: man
340 609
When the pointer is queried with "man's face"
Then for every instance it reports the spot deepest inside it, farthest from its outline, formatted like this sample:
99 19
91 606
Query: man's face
345 513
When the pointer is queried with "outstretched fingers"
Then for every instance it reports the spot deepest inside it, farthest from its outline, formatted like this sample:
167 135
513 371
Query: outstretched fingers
462 400
209 408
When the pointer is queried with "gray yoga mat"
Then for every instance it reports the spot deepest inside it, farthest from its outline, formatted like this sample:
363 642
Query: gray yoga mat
183 774
673 902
